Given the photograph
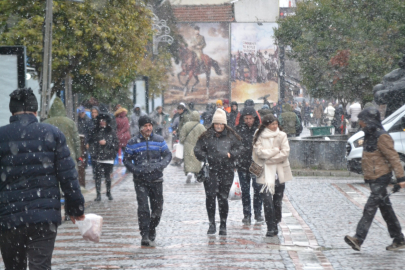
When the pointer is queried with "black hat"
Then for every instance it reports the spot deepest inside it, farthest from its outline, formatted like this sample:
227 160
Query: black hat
144 120
23 100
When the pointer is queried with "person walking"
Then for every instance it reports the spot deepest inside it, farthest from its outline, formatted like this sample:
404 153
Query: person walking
159 118
38 161
307 114
271 151
265 110
83 122
354 111
137 113
123 133
338 120
104 147
329 113
226 108
233 114
189 135
379 160
246 131
208 114
289 121
221 146
146 156
318 113
184 117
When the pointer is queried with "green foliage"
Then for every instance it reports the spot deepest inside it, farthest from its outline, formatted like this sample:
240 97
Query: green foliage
344 47
101 43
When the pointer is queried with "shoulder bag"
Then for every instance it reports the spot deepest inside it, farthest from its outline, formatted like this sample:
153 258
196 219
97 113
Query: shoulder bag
256 169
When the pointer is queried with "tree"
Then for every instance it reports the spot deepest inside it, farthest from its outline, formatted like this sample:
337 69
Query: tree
100 43
344 48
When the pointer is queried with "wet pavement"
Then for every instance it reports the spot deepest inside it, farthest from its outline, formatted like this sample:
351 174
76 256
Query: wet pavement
317 213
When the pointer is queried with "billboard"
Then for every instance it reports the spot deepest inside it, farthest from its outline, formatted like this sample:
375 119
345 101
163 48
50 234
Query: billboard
202 74
254 62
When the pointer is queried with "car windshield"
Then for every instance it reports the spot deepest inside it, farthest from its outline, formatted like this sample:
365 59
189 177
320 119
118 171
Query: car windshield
392 117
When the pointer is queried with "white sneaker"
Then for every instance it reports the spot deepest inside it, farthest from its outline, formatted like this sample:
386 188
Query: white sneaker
189 176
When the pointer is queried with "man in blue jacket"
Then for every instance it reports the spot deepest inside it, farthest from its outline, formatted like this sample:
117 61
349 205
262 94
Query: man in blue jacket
146 156
34 162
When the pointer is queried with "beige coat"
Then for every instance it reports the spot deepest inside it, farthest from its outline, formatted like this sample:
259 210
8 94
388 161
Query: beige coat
271 151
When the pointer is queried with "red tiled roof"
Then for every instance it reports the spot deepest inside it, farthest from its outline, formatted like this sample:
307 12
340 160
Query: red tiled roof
204 13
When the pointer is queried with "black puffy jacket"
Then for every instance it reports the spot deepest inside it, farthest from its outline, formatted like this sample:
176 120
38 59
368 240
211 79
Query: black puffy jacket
217 148
34 161
110 149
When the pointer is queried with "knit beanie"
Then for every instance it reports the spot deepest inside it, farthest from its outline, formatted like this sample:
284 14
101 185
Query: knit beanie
23 100
226 101
144 120
219 102
219 117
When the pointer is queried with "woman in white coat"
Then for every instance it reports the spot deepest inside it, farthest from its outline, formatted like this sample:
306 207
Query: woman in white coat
271 150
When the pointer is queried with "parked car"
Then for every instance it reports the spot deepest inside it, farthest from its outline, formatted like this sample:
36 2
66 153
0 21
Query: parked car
394 125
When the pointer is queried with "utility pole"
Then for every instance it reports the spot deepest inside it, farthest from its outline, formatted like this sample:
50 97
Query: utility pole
47 61
282 71
69 96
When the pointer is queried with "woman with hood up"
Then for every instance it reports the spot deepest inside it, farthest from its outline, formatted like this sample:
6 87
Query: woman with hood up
122 128
103 148
189 135
271 151
134 126
221 146
233 114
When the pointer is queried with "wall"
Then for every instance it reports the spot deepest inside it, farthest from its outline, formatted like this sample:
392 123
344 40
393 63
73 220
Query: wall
256 10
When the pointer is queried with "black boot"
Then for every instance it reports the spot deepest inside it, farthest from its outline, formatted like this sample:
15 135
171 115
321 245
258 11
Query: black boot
212 229
247 220
145 242
222 228
98 189
152 234
108 186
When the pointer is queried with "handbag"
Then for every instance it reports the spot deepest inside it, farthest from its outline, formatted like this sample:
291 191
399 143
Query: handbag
256 169
204 173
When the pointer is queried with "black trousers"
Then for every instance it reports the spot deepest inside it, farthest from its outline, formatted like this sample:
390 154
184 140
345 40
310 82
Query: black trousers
244 178
103 169
34 243
272 205
378 200
217 187
149 192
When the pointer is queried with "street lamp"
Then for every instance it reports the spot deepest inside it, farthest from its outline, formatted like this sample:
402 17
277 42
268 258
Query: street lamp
47 59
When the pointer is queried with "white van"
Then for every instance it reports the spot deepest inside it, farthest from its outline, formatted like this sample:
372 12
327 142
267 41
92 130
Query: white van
394 125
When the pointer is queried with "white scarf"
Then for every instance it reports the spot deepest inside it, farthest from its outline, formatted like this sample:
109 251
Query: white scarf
270 170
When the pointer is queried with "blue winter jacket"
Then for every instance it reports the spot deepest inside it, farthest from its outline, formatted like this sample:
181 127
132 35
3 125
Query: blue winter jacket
147 158
34 161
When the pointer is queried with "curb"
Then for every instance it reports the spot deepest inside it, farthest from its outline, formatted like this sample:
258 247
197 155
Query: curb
325 173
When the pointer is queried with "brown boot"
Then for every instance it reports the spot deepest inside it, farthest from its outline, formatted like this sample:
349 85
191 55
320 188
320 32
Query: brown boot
353 242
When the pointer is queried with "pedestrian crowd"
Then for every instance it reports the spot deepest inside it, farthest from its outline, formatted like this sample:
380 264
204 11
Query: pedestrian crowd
39 164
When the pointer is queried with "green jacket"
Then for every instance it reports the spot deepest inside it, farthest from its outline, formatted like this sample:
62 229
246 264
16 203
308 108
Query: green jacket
189 135
184 118
59 119
289 121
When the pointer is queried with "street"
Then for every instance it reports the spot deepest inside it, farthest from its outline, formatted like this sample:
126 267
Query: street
317 213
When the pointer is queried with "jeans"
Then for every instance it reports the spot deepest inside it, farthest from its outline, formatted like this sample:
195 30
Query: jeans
375 201
244 179
35 243
217 187
149 192
272 206
103 169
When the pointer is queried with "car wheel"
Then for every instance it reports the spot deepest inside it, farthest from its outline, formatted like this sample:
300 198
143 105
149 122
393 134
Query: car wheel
394 178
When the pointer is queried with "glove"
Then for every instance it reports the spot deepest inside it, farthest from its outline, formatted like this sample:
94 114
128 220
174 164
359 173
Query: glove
396 188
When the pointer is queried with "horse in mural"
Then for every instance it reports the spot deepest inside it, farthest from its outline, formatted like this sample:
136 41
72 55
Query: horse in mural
192 68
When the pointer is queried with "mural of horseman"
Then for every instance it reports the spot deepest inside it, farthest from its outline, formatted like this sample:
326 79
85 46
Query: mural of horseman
194 62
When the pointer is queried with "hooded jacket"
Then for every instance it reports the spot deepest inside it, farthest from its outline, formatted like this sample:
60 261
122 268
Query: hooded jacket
122 126
59 119
379 156
34 162
110 149
208 114
265 110
83 126
216 148
247 134
146 158
247 103
134 126
183 118
289 121
189 135
233 114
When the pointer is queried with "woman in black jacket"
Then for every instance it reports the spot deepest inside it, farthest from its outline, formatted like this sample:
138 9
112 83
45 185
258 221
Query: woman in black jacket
104 145
221 146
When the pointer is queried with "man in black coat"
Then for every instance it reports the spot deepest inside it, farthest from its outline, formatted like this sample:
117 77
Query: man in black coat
35 161
246 129
146 156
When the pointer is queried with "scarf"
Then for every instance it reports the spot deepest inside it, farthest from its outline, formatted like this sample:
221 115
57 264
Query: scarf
270 170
